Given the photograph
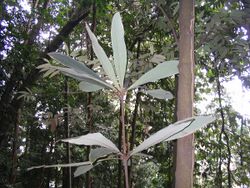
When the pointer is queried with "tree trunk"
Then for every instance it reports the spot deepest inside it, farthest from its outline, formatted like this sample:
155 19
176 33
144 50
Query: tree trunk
67 171
185 148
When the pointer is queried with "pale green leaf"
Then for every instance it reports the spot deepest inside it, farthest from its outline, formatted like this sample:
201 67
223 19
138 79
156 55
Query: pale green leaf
87 87
174 131
99 153
159 94
71 63
199 122
82 170
82 77
61 165
93 139
163 70
101 55
119 47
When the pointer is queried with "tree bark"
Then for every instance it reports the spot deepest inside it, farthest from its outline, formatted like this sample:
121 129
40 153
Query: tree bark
185 148
67 183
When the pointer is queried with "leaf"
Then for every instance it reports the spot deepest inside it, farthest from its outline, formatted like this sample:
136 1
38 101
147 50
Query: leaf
174 131
61 165
87 87
71 63
159 94
199 122
82 170
99 153
83 77
119 47
163 70
93 139
102 57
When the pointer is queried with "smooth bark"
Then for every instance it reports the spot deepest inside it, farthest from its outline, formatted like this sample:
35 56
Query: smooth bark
185 148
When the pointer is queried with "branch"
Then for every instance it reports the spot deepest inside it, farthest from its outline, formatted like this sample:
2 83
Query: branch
170 24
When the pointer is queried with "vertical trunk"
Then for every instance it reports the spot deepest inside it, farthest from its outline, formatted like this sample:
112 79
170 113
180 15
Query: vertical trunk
185 148
119 179
223 132
89 180
14 150
88 183
67 171
134 119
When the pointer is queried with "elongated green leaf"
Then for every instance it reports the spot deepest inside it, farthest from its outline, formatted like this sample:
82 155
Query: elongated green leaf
61 165
174 131
71 63
83 77
99 153
93 139
101 55
159 94
163 70
82 170
119 47
199 122
87 87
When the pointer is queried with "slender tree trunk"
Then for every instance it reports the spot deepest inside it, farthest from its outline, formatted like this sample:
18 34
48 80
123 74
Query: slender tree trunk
67 181
185 148
14 150
223 132
89 181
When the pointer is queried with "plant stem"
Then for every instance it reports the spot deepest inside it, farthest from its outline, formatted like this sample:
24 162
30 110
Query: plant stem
125 163
124 144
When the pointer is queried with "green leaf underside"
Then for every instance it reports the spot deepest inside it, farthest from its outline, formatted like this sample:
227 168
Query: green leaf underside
159 94
119 47
93 139
174 131
163 70
71 63
102 57
61 165
83 77
87 87
82 170
99 153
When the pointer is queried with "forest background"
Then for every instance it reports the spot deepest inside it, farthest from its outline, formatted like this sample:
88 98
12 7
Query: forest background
37 110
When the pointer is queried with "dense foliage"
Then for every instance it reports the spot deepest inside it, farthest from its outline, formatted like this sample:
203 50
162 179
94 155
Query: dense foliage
36 111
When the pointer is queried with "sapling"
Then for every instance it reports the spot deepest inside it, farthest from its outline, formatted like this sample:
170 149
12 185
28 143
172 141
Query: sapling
115 71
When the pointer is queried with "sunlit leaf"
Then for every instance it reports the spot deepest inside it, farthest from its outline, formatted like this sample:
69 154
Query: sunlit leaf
82 170
163 70
159 94
101 55
99 153
174 131
87 87
61 165
93 139
119 47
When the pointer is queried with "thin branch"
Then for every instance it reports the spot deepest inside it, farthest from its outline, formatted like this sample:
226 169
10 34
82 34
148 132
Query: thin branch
170 24
223 131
